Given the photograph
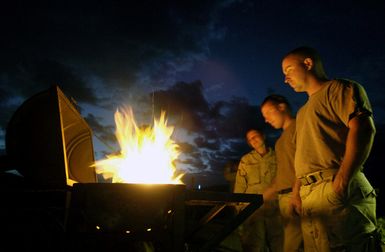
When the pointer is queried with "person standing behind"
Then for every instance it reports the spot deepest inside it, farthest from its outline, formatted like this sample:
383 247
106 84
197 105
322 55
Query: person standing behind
262 231
335 132
277 112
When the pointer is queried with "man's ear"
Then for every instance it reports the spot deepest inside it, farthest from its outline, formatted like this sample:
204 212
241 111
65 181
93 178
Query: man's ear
308 63
281 107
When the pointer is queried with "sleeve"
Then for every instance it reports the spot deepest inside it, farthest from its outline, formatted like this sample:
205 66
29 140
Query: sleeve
361 101
349 99
240 185
240 179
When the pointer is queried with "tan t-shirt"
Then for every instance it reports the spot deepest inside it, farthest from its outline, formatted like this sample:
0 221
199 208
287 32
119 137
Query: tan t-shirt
322 125
255 172
285 151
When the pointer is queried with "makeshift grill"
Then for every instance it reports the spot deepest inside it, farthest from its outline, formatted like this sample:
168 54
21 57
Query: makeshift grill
128 212
57 175
155 213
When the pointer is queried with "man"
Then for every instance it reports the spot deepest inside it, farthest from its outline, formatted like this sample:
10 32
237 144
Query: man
277 112
334 136
262 231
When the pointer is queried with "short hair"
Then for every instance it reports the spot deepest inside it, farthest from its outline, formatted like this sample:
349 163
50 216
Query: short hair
277 99
256 130
305 52
308 52
259 131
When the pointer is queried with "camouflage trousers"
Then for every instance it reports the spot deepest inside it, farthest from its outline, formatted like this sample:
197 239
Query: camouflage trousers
262 231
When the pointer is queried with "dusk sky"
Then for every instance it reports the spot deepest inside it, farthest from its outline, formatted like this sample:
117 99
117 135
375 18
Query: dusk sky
209 64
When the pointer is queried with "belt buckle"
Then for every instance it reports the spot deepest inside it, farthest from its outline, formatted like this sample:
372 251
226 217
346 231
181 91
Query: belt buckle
310 179
313 179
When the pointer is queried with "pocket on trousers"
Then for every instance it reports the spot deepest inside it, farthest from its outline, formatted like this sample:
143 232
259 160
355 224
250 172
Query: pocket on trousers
332 197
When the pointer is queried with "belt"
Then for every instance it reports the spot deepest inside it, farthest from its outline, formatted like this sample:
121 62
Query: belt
317 176
284 191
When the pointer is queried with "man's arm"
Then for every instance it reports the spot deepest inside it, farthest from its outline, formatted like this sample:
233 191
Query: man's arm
296 202
270 193
240 185
358 146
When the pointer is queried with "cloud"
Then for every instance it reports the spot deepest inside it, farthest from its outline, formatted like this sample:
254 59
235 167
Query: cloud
118 40
127 46
215 132
108 53
184 101
6 107
207 144
233 118
106 133
208 134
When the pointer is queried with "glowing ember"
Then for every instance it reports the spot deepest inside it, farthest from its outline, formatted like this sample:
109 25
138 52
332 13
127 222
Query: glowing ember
146 154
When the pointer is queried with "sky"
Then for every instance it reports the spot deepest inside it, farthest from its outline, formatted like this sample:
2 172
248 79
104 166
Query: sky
208 64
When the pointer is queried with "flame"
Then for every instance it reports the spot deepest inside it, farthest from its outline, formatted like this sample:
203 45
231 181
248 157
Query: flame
147 154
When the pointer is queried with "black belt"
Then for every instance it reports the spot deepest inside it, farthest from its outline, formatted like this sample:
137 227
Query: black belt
284 191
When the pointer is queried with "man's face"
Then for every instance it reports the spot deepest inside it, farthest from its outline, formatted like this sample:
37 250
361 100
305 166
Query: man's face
295 72
273 115
255 139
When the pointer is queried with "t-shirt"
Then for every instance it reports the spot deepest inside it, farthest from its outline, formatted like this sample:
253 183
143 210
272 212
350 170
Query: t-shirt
285 151
322 125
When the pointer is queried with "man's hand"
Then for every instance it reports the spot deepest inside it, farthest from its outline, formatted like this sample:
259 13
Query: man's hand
269 194
359 142
340 185
295 205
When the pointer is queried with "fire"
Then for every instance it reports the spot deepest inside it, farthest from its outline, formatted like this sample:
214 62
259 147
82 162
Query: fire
147 154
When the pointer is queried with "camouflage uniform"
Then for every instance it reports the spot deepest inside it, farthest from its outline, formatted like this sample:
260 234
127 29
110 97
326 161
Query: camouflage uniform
263 229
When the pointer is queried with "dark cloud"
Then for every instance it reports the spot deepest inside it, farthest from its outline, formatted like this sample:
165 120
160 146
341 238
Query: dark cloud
44 73
192 158
202 142
233 118
227 119
235 149
184 101
105 133
194 164
112 39
122 44
107 53
218 129
186 105
6 107
215 132
33 77
186 147
219 164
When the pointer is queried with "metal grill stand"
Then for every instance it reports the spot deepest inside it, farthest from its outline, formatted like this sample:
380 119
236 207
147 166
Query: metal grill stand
131 213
